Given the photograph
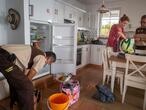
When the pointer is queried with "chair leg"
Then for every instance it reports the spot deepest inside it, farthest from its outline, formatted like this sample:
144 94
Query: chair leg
108 78
121 85
124 93
144 104
104 77
118 80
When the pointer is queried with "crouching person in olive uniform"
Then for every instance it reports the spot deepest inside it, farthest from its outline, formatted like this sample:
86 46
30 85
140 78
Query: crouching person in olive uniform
14 60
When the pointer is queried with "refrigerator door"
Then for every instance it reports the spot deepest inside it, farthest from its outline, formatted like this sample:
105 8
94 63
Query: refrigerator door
40 34
64 46
41 37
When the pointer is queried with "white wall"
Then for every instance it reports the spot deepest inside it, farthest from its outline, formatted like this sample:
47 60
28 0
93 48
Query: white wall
16 36
3 26
7 35
133 8
76 3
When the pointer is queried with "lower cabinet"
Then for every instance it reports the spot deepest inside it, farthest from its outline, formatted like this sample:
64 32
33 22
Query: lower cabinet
96 54
91 54
85 55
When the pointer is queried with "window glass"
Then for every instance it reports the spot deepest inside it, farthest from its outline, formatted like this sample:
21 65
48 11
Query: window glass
107 20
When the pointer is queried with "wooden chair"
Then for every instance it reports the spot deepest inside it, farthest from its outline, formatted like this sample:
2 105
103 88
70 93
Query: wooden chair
135 77
107 71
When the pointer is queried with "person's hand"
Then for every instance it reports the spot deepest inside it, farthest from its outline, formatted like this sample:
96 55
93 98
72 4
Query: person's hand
137 38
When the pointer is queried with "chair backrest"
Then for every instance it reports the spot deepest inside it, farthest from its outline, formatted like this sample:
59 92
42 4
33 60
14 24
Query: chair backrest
109 54
105 59
138 63
109 51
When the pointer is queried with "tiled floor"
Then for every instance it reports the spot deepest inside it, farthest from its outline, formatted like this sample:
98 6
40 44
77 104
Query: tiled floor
88 76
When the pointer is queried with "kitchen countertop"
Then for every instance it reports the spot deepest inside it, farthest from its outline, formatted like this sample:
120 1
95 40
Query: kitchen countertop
80 46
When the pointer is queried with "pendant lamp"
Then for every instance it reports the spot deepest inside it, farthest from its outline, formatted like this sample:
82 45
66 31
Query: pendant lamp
103 9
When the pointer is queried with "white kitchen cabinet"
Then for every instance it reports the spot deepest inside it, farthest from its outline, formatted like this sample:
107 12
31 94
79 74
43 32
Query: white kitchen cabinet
58 12
87 20
80 16
85 55
96 54
41 10
70 13
4 89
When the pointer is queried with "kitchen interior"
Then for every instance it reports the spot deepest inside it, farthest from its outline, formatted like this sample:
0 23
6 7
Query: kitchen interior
76 31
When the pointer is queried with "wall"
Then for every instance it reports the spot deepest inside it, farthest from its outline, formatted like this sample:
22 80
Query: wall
7 35
3 26
133 8
16 36
76 3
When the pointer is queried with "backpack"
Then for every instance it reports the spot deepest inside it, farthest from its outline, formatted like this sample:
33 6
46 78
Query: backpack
104 94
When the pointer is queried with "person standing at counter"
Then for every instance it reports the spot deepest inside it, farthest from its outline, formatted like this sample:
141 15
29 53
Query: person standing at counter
14 60
117 33
140 34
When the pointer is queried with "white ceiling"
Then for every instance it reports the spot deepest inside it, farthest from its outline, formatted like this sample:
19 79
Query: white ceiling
95 1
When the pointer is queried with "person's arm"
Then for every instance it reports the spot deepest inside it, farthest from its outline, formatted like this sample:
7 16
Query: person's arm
120 33
31 73
38 63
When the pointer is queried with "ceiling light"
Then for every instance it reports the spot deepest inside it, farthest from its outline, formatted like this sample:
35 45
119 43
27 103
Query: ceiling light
103 9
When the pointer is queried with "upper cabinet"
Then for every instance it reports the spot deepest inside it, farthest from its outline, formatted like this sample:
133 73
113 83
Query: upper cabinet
41 10
58 12
87 20
70 13
80 16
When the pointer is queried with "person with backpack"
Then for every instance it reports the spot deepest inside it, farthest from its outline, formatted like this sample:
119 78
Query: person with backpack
14 61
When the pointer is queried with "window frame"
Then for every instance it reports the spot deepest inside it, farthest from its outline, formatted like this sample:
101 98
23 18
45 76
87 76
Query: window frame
99 22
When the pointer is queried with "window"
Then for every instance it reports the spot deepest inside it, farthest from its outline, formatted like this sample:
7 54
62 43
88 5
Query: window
106 21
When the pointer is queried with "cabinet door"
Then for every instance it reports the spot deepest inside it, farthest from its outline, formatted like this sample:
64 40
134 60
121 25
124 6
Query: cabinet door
80 19
96 56
58 12
93 54
85 55
86 20
64 46
41 10
88 54
70 13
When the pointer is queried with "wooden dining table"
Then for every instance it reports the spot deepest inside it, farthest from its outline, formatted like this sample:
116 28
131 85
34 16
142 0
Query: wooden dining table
119 62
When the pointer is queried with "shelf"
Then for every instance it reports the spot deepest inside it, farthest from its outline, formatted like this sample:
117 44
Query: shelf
63 37
59 45
83 29
64 61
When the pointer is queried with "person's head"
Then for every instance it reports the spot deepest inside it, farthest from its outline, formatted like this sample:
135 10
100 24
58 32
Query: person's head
50 57
143 21
124 20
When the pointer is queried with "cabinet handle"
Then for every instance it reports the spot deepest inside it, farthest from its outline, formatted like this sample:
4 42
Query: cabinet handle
86 49
80 18
31 8
70 15
56 11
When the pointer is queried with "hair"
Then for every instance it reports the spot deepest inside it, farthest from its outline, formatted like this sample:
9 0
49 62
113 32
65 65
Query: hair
124 18
143 17
51 54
